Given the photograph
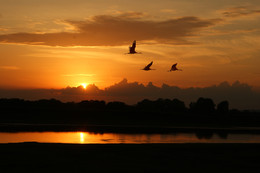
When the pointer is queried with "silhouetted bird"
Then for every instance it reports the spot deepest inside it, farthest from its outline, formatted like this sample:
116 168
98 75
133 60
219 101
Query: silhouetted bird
146 68
132 48
174 68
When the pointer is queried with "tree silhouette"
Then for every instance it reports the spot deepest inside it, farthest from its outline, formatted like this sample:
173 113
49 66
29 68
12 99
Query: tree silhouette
116 105
203 105
223 107
92 105
162 105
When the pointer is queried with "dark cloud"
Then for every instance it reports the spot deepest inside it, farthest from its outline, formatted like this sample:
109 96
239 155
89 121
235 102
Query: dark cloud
239 95
107 30
240 12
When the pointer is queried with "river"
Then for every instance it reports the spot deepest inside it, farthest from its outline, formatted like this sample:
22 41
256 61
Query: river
108 138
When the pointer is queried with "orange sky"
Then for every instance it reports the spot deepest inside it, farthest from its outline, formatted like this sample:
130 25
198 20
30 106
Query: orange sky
54 44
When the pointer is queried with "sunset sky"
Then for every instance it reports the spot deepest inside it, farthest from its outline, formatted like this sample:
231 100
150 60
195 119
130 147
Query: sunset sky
55 44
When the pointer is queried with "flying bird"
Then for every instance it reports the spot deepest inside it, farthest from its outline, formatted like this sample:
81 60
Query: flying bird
146 68
174 68
132 48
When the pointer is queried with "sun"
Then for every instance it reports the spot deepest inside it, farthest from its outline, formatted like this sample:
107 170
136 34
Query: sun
84 85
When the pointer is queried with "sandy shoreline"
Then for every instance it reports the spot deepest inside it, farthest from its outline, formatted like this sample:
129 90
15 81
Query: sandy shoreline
47 157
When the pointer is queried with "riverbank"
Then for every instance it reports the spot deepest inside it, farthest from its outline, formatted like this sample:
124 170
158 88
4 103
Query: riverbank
133 129
40 157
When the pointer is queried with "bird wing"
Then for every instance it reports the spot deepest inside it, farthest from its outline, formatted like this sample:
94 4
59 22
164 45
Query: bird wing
174 67
134 44
149 65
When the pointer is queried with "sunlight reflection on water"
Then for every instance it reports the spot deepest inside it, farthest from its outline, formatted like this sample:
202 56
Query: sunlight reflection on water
106 138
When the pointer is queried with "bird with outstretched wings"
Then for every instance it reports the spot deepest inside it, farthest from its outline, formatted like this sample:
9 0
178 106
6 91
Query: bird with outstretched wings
174 68
132 49
146 68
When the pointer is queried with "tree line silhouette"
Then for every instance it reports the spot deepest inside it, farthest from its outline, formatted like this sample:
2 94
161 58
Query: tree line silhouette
202 105
157 112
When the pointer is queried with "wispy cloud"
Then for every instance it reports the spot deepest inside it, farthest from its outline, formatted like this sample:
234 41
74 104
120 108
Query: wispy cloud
242 11
169 11
3 29
75 75
229 32
108 30
9 68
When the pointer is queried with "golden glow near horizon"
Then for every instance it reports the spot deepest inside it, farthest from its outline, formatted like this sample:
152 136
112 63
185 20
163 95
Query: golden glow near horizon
77 41
108 138
84 85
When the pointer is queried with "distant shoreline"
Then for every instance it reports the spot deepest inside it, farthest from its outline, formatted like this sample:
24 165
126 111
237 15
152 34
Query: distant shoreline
160 116
20 127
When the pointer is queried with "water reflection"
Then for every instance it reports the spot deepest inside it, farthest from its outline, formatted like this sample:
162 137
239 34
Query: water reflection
81 137
106 138
209 135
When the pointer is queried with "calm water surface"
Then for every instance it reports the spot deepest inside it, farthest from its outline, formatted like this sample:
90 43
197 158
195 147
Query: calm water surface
106 138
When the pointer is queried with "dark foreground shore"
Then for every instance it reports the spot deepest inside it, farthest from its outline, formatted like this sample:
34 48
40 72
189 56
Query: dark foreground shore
38 157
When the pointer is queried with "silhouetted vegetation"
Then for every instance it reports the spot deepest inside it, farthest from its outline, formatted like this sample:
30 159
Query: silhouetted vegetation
161 105
203 106
223 107
160 112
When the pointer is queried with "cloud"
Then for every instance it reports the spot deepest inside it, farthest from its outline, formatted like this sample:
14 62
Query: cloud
241 11
90 90
81 74
9 68
3 29
229 32
238 94
108 30
170 11
130 15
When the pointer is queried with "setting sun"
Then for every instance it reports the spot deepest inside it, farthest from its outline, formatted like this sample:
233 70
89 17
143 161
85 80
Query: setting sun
84 85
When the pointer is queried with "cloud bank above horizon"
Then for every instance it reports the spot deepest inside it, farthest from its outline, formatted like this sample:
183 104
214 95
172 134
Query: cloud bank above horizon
239 95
